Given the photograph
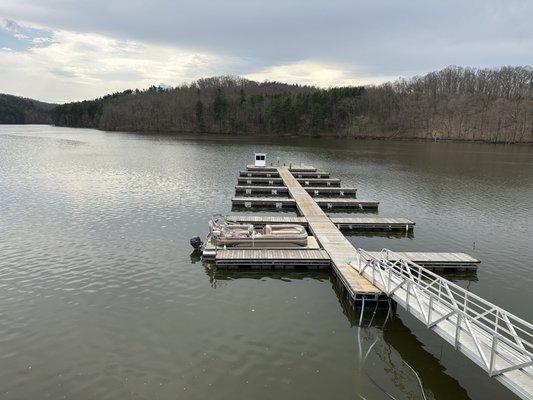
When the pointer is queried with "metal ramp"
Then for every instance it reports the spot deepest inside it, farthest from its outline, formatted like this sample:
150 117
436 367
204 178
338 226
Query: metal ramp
493 338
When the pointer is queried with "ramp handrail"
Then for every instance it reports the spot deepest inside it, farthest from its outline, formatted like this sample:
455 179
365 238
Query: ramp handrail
498 341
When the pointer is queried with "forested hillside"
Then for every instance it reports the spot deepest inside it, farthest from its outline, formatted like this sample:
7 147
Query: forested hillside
494 105
19 110
218 105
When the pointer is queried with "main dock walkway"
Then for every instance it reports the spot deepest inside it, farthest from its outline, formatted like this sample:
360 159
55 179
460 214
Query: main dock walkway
339 249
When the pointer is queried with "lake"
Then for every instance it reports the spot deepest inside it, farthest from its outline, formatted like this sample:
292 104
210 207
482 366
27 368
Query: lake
101 298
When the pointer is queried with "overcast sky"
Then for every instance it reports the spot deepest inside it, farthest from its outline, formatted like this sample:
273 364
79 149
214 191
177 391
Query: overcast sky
63 50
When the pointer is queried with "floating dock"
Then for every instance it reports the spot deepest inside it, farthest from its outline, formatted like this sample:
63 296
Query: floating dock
432 260
496 340
315 258
343 223
278 181
313 191
327 247
294 168
273 259
288 202
274 174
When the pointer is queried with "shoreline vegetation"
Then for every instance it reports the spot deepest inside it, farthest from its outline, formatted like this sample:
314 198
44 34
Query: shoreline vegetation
453 104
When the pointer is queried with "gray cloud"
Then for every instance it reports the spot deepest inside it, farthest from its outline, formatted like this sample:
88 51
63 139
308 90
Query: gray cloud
369 40
381 37
10 25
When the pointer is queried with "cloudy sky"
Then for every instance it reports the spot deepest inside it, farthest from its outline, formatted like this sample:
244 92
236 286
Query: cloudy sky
63 50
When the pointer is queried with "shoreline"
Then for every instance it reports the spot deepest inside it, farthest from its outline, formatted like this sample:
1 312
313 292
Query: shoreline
302 136
192 134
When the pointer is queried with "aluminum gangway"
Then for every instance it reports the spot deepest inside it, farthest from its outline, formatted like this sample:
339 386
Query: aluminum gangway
493 338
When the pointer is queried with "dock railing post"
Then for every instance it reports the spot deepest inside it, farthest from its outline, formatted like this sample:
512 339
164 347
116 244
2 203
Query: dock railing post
389 281
458 329
430 308
493 350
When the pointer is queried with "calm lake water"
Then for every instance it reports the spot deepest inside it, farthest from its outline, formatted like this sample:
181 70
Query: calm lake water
101 299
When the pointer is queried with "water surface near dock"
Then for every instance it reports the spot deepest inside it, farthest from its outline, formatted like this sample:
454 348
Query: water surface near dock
100 297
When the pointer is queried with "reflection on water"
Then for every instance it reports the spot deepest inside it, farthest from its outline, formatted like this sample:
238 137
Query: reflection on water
100 296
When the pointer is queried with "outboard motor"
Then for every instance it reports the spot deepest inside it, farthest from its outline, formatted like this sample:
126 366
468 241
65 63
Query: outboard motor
196 242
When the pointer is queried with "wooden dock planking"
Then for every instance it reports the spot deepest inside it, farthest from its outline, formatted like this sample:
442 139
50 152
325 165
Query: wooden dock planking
245 180
330 238
433 260
277 202
274 174
293 168
336 190
313 191
280 202
319 181
260 220
354 223
269 258
331 202
307 174
343 223
260 181
259 174
261 189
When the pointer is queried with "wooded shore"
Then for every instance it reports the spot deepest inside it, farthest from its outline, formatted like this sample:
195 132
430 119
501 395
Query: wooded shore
486 105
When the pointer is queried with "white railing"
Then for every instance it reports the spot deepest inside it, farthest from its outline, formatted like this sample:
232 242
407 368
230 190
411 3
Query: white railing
495 339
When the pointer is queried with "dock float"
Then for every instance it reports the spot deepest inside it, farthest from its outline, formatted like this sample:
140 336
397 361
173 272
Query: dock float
313 191
325 202
274 174
319 259
339 249
431 260
293 168
244 180
343 223
273 259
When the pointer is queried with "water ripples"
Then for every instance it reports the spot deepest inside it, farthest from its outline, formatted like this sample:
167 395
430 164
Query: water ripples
100 298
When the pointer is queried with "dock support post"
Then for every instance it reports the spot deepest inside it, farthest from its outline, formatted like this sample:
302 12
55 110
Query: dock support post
362 311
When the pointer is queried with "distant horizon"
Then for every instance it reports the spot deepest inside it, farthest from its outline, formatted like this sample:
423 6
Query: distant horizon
59 51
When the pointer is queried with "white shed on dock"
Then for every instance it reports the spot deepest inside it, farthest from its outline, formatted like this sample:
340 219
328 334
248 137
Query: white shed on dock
260 159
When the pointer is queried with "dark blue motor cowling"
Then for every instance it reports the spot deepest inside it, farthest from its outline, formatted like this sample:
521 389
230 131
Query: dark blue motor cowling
196 242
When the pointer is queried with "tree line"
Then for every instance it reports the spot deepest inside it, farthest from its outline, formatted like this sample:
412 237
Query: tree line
494 105
20 110
217 105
